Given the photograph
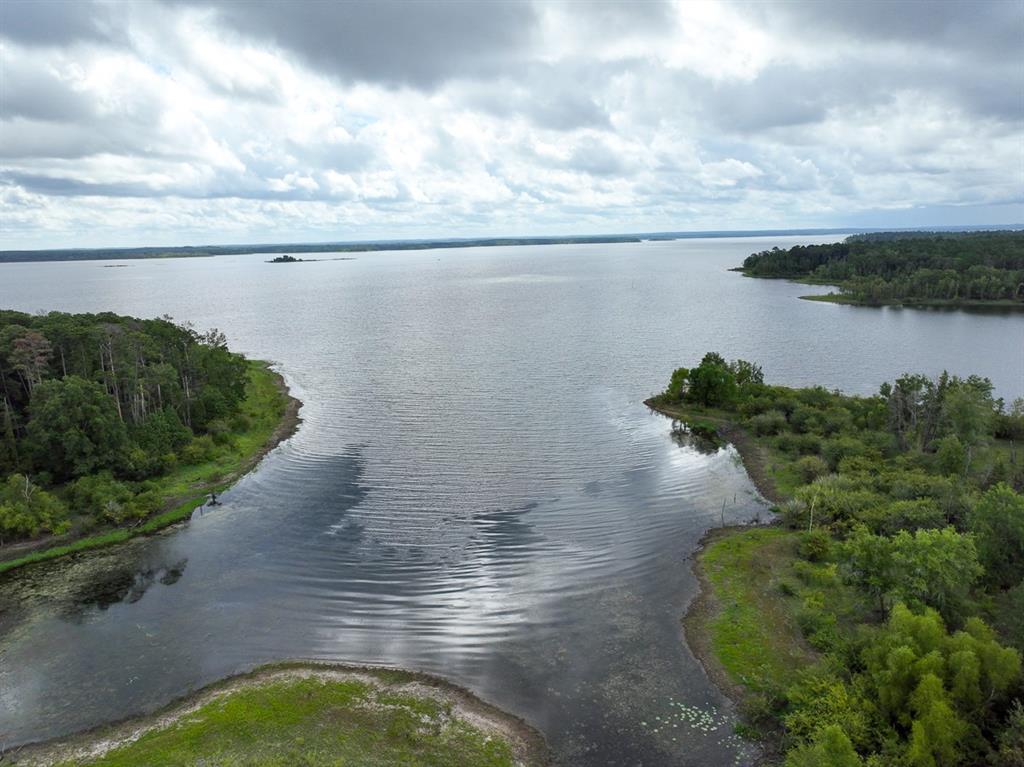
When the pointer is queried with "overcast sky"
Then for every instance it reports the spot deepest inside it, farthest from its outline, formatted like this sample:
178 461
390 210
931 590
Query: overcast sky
198 121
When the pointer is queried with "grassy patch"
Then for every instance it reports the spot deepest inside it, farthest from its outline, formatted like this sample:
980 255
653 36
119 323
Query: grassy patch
755 634
185 487
313 721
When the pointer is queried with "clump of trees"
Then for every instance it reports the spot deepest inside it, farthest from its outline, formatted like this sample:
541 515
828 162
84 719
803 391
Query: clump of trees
977 266
912 522
94 405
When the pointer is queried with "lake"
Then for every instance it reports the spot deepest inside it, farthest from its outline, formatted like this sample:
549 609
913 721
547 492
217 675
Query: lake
476 490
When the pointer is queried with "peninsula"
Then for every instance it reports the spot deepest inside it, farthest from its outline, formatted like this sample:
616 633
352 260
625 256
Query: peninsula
953 269
113 426
881 619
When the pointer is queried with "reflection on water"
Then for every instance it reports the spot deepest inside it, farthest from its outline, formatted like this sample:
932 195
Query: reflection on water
476 490
109 587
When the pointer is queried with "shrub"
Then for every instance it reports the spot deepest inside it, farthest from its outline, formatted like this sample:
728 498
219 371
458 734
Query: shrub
805 419
816 545
28 510
810 467
102 497
768 423
199 450
220 432
951 456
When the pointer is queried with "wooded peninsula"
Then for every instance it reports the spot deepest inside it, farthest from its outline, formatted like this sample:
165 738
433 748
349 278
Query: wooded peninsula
907 268
111 426
881 619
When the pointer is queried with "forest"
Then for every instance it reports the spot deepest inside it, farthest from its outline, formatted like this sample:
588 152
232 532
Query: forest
881 621
95 407
966 267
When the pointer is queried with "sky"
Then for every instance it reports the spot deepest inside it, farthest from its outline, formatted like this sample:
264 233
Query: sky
176 122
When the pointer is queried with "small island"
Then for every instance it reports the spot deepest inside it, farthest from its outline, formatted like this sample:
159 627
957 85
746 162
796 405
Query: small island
286 259
114 426
880 620
951 269
304 713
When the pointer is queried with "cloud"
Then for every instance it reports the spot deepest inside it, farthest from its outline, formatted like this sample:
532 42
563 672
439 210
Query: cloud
388 41
57 23
212 120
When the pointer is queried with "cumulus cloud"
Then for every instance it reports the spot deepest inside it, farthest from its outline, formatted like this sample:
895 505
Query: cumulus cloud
227 120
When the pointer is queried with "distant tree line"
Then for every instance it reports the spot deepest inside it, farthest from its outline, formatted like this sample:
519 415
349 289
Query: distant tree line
874 268
92 405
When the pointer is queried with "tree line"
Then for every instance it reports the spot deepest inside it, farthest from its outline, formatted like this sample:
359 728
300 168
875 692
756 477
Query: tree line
94 405
972 266
910 563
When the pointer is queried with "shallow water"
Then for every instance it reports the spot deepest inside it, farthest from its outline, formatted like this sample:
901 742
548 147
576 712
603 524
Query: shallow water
476 490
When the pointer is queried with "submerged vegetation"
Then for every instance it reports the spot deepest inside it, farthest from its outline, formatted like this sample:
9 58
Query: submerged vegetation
880 624
307 714
965 268
111 425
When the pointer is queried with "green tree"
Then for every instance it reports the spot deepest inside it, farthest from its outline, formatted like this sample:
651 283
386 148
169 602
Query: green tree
74 428
951 455
968 412
929 567
936 732
997 521
830 747
677 384
712 383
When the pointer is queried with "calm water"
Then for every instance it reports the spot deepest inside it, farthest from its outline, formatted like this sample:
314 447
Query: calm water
476 491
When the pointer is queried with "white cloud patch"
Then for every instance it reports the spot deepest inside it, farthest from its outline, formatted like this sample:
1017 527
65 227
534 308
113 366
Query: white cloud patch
205 121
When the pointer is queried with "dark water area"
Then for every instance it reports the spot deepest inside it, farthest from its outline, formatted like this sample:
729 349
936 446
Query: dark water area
476 490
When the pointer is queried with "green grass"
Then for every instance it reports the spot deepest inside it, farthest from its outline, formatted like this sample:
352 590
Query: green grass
755 634
185 488
315 722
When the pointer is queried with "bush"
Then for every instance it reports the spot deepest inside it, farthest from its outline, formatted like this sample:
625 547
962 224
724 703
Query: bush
199 450
768 423
951 456
835 450
920 514
102 497
804 420
816 545
220 432
28 510
810 467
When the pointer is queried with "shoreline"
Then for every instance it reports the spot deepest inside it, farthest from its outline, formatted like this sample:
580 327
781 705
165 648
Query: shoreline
753 457
528 745
174 510
844 299
705 606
